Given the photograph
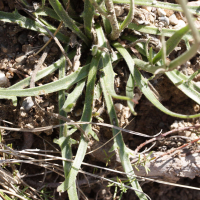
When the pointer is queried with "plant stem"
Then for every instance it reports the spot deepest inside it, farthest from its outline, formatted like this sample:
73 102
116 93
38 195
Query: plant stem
100 10
113 20
129 17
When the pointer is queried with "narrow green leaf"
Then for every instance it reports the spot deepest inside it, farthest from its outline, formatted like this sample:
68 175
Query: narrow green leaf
43 73
177 78
46 11
87 116
129 17
43 3
118 140
27 23
73 96
67 20
171 43
142 84
61 95
107 25
130 93
88 14
107 69
156 31
185 87
61 84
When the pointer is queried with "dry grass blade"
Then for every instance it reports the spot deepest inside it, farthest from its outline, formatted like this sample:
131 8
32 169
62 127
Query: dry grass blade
34 130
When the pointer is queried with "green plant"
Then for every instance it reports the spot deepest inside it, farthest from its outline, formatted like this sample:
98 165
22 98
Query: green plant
101 36
120 186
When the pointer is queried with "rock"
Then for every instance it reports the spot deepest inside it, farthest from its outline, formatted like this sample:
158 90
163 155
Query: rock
168 12
193 3
20 58
161 24
119 10
151 18
161 12
3 80
118 107
27 104
164 20
180 24
147 8
26 48
45 39
173 20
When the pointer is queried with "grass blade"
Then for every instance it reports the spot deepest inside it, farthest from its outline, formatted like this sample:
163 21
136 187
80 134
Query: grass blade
87 116
171 43
129 93
142 84
155 31
183 85
107 70
61 84
64 140
124 157
73 96
88 17
67 20
177 78
30 24
129 17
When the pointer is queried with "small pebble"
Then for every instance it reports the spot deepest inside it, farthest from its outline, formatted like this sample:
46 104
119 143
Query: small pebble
45 39
20 58
118 107
154 2
193 3
173 20
127 112
161 12
147 8
197 84
161 24
26 48
3 80
27 104
168 12
180 24
164 20
78 112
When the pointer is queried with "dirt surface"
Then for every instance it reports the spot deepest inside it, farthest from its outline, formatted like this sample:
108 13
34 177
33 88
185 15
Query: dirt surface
15 43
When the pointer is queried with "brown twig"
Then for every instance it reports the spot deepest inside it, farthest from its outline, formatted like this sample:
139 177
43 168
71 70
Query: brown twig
178 148
61 23
159 137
